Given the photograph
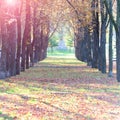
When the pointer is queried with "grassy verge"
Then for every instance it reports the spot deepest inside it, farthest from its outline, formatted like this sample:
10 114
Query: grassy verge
61 53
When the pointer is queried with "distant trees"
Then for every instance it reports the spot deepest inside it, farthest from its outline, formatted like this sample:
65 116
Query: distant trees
82 17
70 43
53 42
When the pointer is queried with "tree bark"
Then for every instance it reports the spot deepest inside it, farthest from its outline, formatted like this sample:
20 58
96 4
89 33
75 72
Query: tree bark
103 48
3 62
118 41
110 74
88 46
95 35
18 13
102 55
12 42
26 39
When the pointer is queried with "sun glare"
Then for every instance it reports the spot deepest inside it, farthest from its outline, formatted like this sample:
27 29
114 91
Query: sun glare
11 2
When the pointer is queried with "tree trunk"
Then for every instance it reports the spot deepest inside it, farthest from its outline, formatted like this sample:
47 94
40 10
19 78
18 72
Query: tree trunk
12 40
118 41
117 29
102 55
80 46
36 34
3 69
103 47
26 39
18 67
118 55
95 35
110 74
95 46
88 46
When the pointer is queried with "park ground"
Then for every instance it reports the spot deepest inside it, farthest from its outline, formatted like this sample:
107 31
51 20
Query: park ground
60 89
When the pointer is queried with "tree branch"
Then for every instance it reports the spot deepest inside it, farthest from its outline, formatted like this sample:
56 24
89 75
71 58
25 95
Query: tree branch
111 16
74 10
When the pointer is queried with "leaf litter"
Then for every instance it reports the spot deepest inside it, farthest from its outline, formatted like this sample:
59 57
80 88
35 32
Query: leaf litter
60 89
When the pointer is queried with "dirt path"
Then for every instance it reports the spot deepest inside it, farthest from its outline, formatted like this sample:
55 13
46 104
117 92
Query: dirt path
60 89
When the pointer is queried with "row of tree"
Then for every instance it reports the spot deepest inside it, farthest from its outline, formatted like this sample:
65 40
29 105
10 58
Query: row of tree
90 39
24 34
27 26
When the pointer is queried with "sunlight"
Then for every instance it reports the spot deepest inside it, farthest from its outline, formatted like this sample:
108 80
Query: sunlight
11 2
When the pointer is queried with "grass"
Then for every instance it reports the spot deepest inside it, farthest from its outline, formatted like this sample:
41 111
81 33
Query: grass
60 89
59 53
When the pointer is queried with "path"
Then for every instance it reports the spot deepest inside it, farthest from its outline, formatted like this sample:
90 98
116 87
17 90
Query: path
60 89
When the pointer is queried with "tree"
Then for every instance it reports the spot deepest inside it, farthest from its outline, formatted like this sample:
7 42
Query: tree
87 36
18 12
95 35
3 59
116 25
70 43
110 42
82 18
11 51
118 40
53 42
9 36
26 42
102 48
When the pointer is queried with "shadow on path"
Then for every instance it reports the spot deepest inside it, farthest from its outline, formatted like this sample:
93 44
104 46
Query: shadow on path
77 115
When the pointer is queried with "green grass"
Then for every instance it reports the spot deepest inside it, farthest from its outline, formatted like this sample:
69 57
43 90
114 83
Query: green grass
5 117
61 53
